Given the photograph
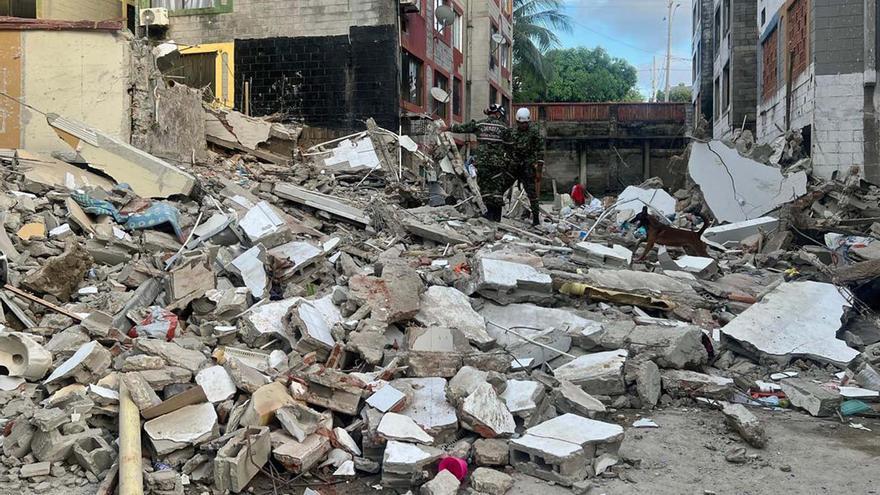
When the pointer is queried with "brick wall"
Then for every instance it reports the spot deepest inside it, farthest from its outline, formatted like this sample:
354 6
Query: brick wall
839 36
326 81
252 19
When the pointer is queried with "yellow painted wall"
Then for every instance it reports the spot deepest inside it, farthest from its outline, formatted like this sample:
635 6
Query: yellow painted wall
80 10
224 72
10 84
83 75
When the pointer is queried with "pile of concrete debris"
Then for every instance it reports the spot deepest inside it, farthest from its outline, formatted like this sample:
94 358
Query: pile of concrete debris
338 315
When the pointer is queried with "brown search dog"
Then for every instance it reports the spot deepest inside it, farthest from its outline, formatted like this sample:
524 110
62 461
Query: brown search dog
659 233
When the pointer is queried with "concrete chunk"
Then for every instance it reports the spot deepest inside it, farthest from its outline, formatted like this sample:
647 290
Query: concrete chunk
299 457
507 282
298 420
490 481
216 383
172 353
35 469
240 459
90 361
745 423
522 397
399 427
428 406
569 398
812 397
190 425
491 452
682 383
451 308
485 414
445 483
782 327
600 373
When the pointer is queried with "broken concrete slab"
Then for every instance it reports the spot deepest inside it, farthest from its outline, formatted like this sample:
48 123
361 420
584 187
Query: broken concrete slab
634 198
35 469
403 462
645 289
491 452
781 327
263 226
812 397
60 275
314 320
216 383
737 188
172 353
332 389
698 265
299 457
402 428
393 297
428 406
299 420
569 398
562 449
550 326
522 397
190 396
745 423
674 347
250 266
140 391
599 255
237 462
264 402
190 425
599 373
90 361
147 175
729 235
346 441
451 308
507 282
690 384
648 383
321 202
485 414
387 399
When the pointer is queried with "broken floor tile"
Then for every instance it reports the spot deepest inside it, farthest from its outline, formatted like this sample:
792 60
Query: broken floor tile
216 383
387 398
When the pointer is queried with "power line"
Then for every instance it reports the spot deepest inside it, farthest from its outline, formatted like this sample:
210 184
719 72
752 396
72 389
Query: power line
622 42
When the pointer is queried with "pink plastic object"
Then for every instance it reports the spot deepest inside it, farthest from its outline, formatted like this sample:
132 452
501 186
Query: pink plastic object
458 467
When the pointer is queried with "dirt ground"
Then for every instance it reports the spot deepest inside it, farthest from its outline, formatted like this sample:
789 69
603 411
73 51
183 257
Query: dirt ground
685 456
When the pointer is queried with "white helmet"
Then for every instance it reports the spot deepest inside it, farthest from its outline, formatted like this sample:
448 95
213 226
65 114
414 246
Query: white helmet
523 115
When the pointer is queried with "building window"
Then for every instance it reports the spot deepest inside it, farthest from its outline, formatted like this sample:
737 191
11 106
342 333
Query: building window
19 8
716 30
763 17
717 99
437 25
456 96
770 65
493 48
696 18
194 6
457 32
798 37
441 82
411 80
726 17
493 95
505 55
694 69
505 102
725 95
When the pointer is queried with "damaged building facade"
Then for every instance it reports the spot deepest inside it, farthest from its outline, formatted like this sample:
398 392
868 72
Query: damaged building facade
334 64
792 65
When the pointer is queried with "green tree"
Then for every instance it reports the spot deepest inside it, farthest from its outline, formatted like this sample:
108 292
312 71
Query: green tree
677 94
535 23
590 75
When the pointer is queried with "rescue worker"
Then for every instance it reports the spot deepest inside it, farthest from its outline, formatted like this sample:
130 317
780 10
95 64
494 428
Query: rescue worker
527 158
492 136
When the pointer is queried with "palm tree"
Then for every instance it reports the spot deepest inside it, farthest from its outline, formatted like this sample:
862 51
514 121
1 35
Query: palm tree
534 26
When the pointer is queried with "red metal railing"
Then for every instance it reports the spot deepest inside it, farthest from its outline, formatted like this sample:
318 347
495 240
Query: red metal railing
593 112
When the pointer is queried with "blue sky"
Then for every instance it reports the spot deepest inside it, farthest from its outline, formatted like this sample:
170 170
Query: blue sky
634 30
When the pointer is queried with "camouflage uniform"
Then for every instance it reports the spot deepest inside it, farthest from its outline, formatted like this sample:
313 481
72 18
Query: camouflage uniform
491 160
527 149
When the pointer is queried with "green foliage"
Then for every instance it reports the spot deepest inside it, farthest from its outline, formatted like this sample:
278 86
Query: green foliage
535 23
677 94
590 75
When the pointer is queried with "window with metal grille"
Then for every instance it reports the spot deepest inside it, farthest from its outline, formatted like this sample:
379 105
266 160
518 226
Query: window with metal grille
798 36
442 82
770 65
456 96
411 78
19 8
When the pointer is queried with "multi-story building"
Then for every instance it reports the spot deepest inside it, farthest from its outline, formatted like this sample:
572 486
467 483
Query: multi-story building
703 58
818 73
734 70
335 63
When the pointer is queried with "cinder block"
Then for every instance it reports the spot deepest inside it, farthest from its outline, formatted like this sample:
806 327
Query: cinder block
94 454
240 459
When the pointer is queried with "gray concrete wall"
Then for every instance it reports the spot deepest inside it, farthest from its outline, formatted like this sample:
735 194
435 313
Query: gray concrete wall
702 47
282 18
739 49
839 36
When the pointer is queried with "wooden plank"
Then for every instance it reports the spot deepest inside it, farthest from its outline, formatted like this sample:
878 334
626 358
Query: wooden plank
262 155
42 302
321 202
194 395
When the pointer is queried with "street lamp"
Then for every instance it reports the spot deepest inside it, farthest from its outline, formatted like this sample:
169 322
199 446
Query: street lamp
673 6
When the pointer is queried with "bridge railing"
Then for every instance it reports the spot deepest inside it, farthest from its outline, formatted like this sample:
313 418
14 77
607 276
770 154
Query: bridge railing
596 112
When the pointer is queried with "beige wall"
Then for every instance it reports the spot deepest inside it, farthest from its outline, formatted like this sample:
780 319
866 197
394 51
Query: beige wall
78 10
81 75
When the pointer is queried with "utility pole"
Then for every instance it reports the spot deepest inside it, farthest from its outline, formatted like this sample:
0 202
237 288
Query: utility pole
672 6
653 98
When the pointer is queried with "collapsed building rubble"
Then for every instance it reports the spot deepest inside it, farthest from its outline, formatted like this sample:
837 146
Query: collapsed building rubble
317 314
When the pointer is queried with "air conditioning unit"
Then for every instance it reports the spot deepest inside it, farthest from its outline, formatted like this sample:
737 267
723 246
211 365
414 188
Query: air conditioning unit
154 17
409 6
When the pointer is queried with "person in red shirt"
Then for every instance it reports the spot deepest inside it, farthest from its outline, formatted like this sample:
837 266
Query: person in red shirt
578 193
